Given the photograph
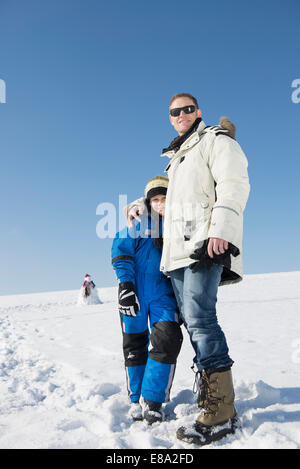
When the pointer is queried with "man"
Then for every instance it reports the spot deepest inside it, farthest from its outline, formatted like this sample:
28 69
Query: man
207 193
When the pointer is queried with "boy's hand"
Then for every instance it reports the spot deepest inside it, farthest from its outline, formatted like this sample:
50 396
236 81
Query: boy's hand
134 213
128 301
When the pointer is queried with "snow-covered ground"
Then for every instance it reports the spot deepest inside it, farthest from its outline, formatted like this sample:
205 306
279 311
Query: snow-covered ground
62 381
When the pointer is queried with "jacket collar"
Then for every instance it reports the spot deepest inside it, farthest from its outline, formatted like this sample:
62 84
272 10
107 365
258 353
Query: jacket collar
186 140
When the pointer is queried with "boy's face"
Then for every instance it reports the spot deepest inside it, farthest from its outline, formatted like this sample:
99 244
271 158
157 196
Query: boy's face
158 203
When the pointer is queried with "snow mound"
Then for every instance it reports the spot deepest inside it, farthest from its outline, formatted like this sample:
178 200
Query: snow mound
92 299
62 378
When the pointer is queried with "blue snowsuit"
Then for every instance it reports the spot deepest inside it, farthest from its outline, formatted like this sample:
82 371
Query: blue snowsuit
136 259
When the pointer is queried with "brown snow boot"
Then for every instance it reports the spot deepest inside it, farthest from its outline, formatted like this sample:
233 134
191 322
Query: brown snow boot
219 404
218 416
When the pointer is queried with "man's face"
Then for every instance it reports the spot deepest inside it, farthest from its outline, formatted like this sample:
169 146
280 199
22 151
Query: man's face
184 121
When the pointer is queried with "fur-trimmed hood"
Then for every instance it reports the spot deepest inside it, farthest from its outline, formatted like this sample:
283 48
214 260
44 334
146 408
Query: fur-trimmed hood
224 124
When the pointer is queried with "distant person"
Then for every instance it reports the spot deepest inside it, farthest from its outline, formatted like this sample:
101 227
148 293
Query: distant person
88 294
207 193
146 294
88 285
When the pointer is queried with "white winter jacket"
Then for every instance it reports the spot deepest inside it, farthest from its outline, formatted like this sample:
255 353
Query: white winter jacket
207 193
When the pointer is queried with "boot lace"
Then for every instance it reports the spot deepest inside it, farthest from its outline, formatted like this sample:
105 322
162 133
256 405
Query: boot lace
199 387
211 400
197 381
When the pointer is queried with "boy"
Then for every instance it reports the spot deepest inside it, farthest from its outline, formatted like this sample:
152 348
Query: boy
145 294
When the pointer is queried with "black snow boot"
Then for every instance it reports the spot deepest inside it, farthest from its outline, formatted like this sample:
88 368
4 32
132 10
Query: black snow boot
152 412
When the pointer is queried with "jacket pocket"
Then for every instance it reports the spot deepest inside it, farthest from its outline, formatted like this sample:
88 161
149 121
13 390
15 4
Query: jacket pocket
189 224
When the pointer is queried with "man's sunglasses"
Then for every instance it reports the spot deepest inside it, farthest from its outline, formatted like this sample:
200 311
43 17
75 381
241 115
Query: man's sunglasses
186 109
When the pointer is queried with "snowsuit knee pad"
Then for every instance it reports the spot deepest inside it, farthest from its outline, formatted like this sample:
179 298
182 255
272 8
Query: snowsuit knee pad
135 348
166 340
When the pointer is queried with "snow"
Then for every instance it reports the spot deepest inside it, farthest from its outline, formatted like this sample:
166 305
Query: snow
62 379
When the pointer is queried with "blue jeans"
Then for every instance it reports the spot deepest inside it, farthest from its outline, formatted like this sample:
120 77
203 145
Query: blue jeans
196 295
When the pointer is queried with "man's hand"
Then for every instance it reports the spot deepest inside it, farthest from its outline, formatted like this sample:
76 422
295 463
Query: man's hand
134 213
128 302
217 246
213 251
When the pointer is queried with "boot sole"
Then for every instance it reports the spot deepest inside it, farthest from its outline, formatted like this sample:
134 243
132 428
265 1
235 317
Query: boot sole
151 418
202 435
137 419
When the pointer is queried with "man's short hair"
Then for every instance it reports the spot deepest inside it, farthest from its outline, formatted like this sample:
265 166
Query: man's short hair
183 95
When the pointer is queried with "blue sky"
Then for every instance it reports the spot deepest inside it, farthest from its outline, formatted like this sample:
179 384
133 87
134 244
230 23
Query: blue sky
86 115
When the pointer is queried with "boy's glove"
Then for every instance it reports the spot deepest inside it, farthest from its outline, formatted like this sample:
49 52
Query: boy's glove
128 302
203 259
